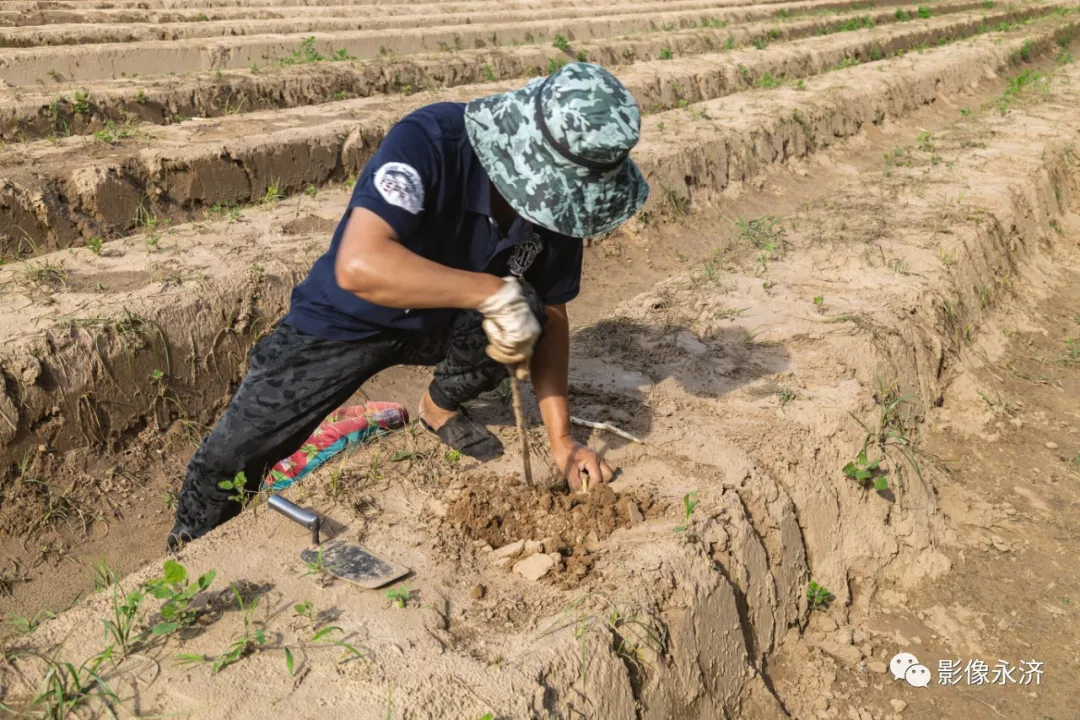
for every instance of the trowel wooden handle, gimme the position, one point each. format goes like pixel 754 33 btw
pixel 299 515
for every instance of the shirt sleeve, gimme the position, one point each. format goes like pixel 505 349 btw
pixel 398 183
pixel 556 277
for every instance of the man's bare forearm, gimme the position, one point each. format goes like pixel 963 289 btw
pixel 550 375
pixel 372 265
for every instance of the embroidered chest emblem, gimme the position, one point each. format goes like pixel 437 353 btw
pixel 525 254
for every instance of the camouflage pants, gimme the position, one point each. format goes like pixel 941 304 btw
pixel 295 380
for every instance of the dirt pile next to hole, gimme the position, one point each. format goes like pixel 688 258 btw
pixel 496 512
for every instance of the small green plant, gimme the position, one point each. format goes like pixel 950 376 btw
pixel 311 191
pixel 120 628
pixel 760 43
pixel 561 43
pixel 178 592
pixel 399 595
pixel 65 688
pixel 103 576
pixel 341 95
pixel 1025 51
pixel 95 244
pixel 27 625
pixel 767 81
pixel 341 55
pixel 763 233
pixel 924 12
pixel 251 637
pixel 666 54
pixel 819 300
pixel 818 596
pixel 926 141
pixel 272 194
pixel 239 487
pixel 965 112
pixel 786 396
pixel 554 64
pixel 729 44
pixel 690 503
pixel 903 15
pixel 82 103
pixel 988 4
pixel 306 54
pixel 453 455
pixel 489 73
pixel 862 472
pixel 582 56
pixel 141 98
pixel 800 85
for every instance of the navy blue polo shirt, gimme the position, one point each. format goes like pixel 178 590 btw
pixel 426 182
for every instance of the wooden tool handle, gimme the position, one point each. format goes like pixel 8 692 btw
pixel 519 416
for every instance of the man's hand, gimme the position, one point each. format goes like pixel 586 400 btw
pixel 510 325
pixel 575 459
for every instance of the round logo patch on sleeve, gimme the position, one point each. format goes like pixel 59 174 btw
pixel 400 185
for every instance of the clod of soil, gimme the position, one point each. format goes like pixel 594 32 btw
pixel 498 512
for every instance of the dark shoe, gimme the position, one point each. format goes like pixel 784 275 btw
pixel 181 535
pixel 468 437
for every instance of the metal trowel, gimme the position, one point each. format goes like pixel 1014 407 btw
pixel 344 560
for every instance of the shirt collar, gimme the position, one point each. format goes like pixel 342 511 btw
pixel 478 190
pixel 478 200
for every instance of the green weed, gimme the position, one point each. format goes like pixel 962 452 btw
pixel 690 503
pixel 103 576
pixel 304 55
pixel 767 81
pixel 666 54
pixel 555 63
pixel 65 688
pixel 926 141
pixel 863 472
pixel 763 233
pixel 818 596
pixel 399 595
pixel 489 73
pixel 82 103
pixel 1025 51
pixel 27 625
pixel 239 487
pixel 120 629
pixel 561 43
pixel 924 12
pixel 582 56
pixel 178 592
pixel 760 43
pixel 95 244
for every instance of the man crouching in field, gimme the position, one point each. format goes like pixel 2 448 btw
pixel 460 248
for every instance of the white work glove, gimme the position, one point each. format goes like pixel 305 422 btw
pixel 511 327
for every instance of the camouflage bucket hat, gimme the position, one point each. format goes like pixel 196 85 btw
pixel 558 149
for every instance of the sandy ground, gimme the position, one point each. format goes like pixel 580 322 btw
pixel 874 258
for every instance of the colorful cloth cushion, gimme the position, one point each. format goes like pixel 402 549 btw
pixel 345 426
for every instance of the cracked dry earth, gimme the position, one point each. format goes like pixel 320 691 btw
pixel 862 238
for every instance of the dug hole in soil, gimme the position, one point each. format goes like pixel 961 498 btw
pixel 855 322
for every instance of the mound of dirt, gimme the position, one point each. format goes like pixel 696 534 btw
pixel 498 514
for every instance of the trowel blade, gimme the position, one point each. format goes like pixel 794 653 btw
pixel 355 564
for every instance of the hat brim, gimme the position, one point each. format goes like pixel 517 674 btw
pixel 541 185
